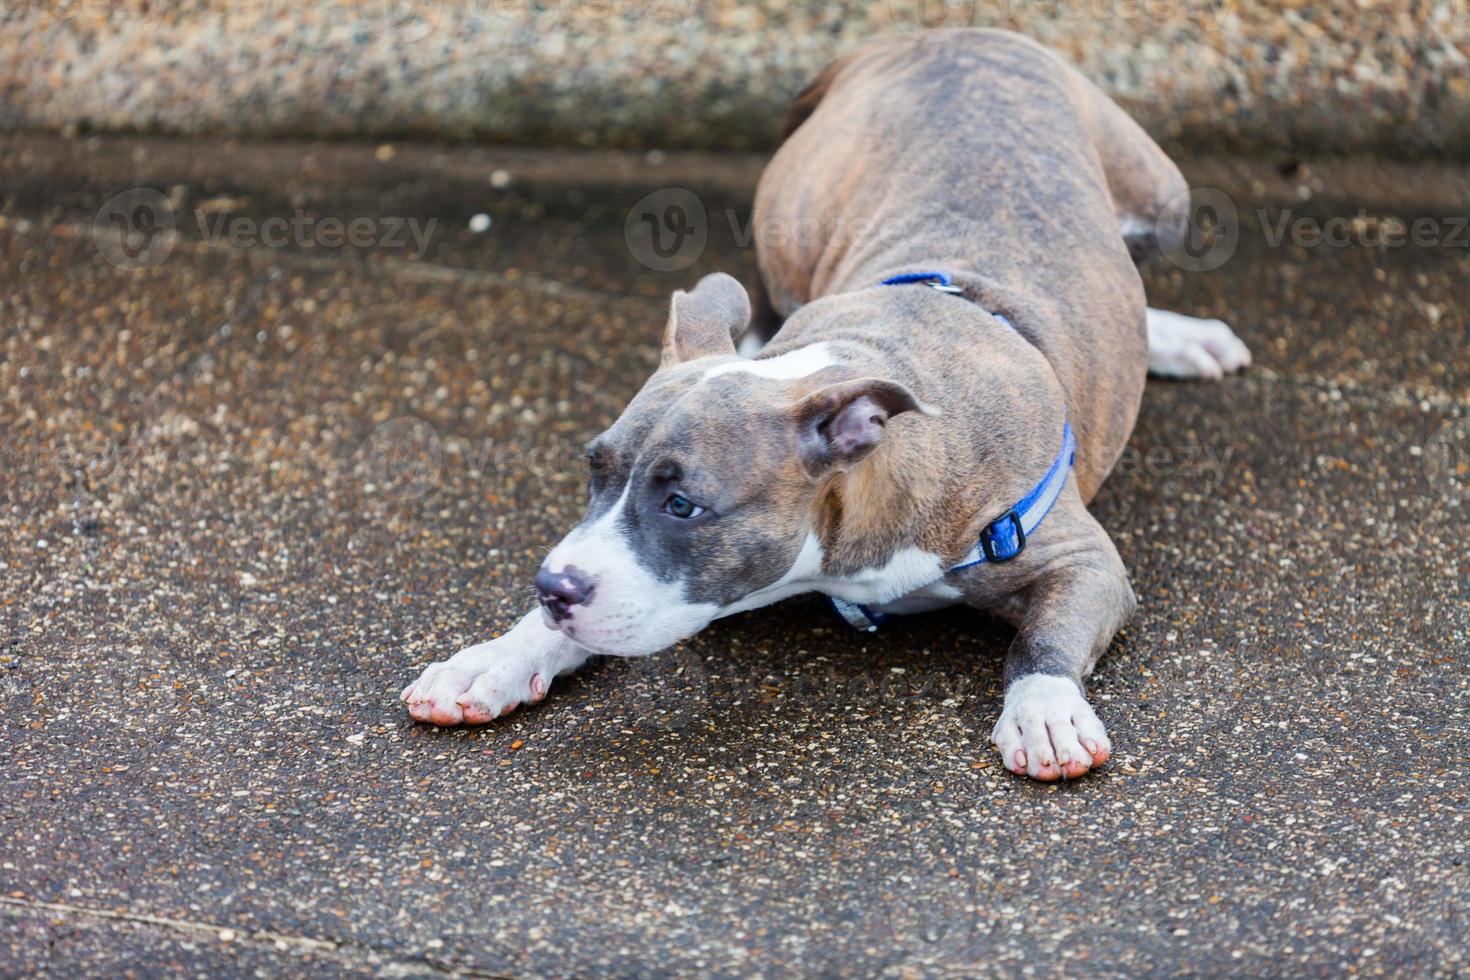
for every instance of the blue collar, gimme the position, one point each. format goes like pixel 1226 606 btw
pixel 941 282
pixel 1005 537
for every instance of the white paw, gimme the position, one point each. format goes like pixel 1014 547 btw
pixel 1048 730
pixel 1182 346
pixel 476 685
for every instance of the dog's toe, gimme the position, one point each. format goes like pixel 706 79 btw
pixel 498 692
pixel 434 697
pixel 1228 350
pixel 1048 730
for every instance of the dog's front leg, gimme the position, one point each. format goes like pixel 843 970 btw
pixel 490 679
pixel 1047 729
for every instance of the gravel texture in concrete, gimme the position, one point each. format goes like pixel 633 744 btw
pixel 1389 75
pixel 250 487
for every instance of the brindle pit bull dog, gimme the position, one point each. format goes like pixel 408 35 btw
pixel 962 313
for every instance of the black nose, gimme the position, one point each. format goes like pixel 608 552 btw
pixel 560 591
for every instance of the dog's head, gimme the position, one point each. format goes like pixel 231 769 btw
pixel 704 490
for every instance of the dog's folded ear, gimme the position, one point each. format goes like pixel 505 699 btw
pixel 705 320
pixel 842 423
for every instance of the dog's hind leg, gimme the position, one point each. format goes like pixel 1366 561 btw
pixel 1142 180
pixel 1151 199
pixel 766 318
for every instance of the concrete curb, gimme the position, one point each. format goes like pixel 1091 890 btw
pixel 1391 78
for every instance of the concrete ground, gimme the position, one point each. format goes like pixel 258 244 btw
pixel 249 489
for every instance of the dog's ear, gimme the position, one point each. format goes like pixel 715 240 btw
pixel 842 423
pixel 705 320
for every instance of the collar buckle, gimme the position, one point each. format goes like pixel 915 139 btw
pixel 1001 543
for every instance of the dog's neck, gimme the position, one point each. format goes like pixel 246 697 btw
pixel 933 482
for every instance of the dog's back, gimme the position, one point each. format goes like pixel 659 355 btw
pixel 983 154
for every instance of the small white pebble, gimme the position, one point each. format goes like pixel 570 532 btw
pixel 500 178
pixel 480 223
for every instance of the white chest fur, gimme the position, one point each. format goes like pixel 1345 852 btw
pixel 912 575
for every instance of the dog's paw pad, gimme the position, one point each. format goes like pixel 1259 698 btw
pixel 1048 731
pixel 1187 347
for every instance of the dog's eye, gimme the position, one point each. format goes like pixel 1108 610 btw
pixel 682 507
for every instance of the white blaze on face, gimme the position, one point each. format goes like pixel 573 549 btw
pixel 786 367
pixel 631 612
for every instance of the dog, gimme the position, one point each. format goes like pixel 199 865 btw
pixel 956 354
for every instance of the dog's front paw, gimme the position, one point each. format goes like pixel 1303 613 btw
pixel 1047 730
pixel 475 686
